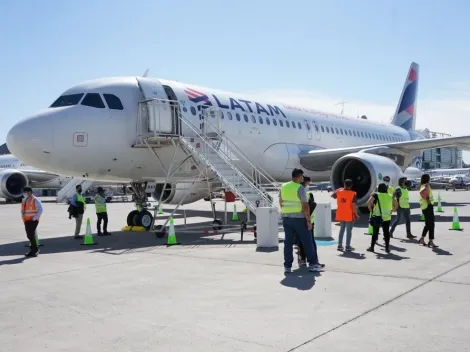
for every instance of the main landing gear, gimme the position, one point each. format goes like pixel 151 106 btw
pixel 141 216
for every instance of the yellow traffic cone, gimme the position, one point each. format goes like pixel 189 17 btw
pixel 439 205
pixel 235 214
pixel 88 240
pixel 171 234
pixel 455 221
pixel 160 210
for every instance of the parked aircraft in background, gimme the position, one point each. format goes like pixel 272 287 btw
pixel 138 129
pixel 15 175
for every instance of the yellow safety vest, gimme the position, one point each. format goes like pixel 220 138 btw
pixel 386 205
pixel 100 207
pixel 390 190
pixel 81 200
pixel 423 204
pixel 405 198
pixel 290 199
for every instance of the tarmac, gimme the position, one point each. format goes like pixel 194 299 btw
pixel 130 292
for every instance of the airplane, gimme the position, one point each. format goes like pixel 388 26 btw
pixel 15 175
pixel 102 129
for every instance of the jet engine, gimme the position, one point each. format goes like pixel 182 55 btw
pixel 173 193
pixel 12 184
pixel 366 171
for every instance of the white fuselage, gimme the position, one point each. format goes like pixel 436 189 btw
pixel 96 142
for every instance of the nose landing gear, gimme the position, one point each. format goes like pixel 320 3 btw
pixel 141 216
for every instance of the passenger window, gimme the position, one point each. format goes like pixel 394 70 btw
pixel 237 116
pixel 230 117
pixel 222 115
pixel 341 130
pixel 362 134
pixel 113 102
pixel 253 119
pixel 327 129
pixel 67 100
pixel 322 129
pixel 245 117
pixel 281 123
pixel 350 133
pixel 354 133
pixel 293 124
pixel 267 121
pixel 260 120
pixel 93 100
pixel 316 127
pixel 332 130
pixel 274 122
pixel 299 125
pixel 337 132
pixel 287 124
pixel 308 126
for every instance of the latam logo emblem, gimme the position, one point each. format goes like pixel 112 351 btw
pixel 197 97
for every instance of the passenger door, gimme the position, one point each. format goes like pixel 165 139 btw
pixel 158 111
pixel 309 129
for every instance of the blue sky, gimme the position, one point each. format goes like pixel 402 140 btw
pixel 324 51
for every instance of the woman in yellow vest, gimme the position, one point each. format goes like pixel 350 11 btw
pixel 426 203
pixel 381 206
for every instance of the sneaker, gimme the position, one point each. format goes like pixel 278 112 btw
pixel 302 263
pixel 370 249
pixel 410 236
pixel 287 270
pixel 350 249
pixel 321 265
pixel 340 248
pixel 314 268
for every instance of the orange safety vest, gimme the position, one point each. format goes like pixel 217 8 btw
pixel 28 209
pixel 344 202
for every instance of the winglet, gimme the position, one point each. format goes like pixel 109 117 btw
pixel 405 115
pixel 146 73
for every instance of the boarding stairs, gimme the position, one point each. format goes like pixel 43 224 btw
pixel 216 151
pixel 67 192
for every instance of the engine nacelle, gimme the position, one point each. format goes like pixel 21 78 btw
pixel 174 193
pixel 366 171
pixel 12 184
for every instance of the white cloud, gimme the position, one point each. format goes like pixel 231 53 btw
pixel 449 115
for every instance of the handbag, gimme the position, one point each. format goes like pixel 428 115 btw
pixel 376 220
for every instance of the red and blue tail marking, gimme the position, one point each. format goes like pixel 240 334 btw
pixel 197 97
pixel 405 115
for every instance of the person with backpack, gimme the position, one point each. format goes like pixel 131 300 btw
pixel 381 205
pixel 301 257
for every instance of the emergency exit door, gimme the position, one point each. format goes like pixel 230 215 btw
pixel 309 129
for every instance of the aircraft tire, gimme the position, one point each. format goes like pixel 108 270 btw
pixel 130 217
pixel 217 224
pixel 143 218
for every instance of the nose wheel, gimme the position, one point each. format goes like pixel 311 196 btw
pixel 140 218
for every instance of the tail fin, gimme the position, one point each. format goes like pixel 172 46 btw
pixel 405 115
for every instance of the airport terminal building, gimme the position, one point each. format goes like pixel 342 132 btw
pixel 441 158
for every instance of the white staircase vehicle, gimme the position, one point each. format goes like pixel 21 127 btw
pixel 216 151
pixel 68 190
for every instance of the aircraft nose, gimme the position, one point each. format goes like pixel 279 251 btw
pixel 31 140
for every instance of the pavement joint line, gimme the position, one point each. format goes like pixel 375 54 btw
pixel 379 306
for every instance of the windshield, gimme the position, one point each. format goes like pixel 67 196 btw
pixel 67 100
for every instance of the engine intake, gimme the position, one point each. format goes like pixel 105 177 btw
pixel 366 171
pixel 174 193
pixel 12 184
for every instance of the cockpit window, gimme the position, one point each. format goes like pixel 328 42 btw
pixel 113 102
pixel 67 100
pixel 94 100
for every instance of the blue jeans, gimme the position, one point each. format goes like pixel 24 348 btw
pixel 293 228
pixel 348 226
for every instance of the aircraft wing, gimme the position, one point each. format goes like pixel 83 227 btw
pixel 37 176
pixel 323 159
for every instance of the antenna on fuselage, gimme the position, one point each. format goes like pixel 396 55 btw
pixel 146 73
pixel 342 105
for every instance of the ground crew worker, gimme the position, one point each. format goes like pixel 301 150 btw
pixel 390 189
pixel 301 258
pixel 101 212
pixel 426 203
pixel 31 211
pixel 346 213
pixel 402 196
pixel 296 221
pixel 381 204
pixel 78 203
